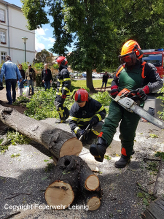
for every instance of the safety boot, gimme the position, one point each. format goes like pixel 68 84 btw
pixel 98 150
pixel 122 162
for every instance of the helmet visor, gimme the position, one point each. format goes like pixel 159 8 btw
pixel 129 58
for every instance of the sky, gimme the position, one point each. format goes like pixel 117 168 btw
pixel 43 36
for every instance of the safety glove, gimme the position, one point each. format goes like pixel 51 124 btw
pixel 63 96
pixel 93 121
pixel 80 132
pixel 114 91
pixel 141 92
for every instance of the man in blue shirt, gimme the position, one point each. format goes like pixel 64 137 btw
pixel 11 73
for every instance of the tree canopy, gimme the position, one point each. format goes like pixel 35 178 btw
pixel 97 28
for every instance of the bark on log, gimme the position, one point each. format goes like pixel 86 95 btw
pixel 63 190
pixel 57 141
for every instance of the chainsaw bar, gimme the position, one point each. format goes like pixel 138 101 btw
pixel 131 106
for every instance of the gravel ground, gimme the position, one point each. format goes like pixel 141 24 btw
pixel 25 177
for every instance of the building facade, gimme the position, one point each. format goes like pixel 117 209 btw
pixel 13 27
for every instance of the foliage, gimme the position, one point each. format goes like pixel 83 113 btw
pixel 102 97
pixel 3 148
pixel 55 66
pixel 15 155
pixel 17 138
pixel 24 66
pixel 41 105
pixel 43 57
pixel 34 12
pixel 39 80
pixel 22 100
pixel 96 31
pixel 38 66
pixel 160 154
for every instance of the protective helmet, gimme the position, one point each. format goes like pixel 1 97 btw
pixel 131 46
pixel 81 95
pixel 61 60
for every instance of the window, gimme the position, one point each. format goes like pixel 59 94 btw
pixel 2 36
pixel 3 55
pixel 2 15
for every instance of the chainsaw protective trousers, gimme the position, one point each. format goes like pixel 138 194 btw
pixel 128 125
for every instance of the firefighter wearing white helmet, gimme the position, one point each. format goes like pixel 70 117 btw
pixel 63 88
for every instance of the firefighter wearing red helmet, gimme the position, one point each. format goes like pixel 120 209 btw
pixel 83 112
pixel 135 75
pixel 63 88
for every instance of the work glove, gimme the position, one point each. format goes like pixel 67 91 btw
pixel 80 132
pixel 63 96
pixel 141 94
pixel 93 121
pixel 114 91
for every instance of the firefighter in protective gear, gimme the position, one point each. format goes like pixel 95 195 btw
pixel 133 74
pixel 63 88
pixel 83 112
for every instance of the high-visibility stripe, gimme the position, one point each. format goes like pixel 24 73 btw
pixel 98 115
pixel 76 129
pixel 65 79
pixel 143 69
pixel 73 118
pixel 95 132
pixel 118 72
pixel 123 151
pixel 65 88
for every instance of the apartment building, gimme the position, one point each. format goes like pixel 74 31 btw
pixel 12 29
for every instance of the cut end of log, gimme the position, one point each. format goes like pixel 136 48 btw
pixel 92 183
pixel 59 194
pixel 93 203
pixel 71 147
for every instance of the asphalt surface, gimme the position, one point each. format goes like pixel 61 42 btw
pixel 24 178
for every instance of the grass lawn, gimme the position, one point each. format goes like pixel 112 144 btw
pixel 96 83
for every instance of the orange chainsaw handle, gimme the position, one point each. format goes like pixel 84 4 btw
pixel 123 92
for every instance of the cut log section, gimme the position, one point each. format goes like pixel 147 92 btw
pixel 93 199
pixel 64 189
pixel 88 180
pixel 68 182
pixel 57 141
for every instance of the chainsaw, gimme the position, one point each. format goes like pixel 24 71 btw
pixel 128 100
pixel 85 131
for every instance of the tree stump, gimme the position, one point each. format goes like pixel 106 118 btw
pixel 70 178
pixel 57 141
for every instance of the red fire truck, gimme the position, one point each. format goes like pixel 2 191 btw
pixel 156 57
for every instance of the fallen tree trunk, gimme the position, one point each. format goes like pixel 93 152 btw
pixel 57 141
pixel 68 182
